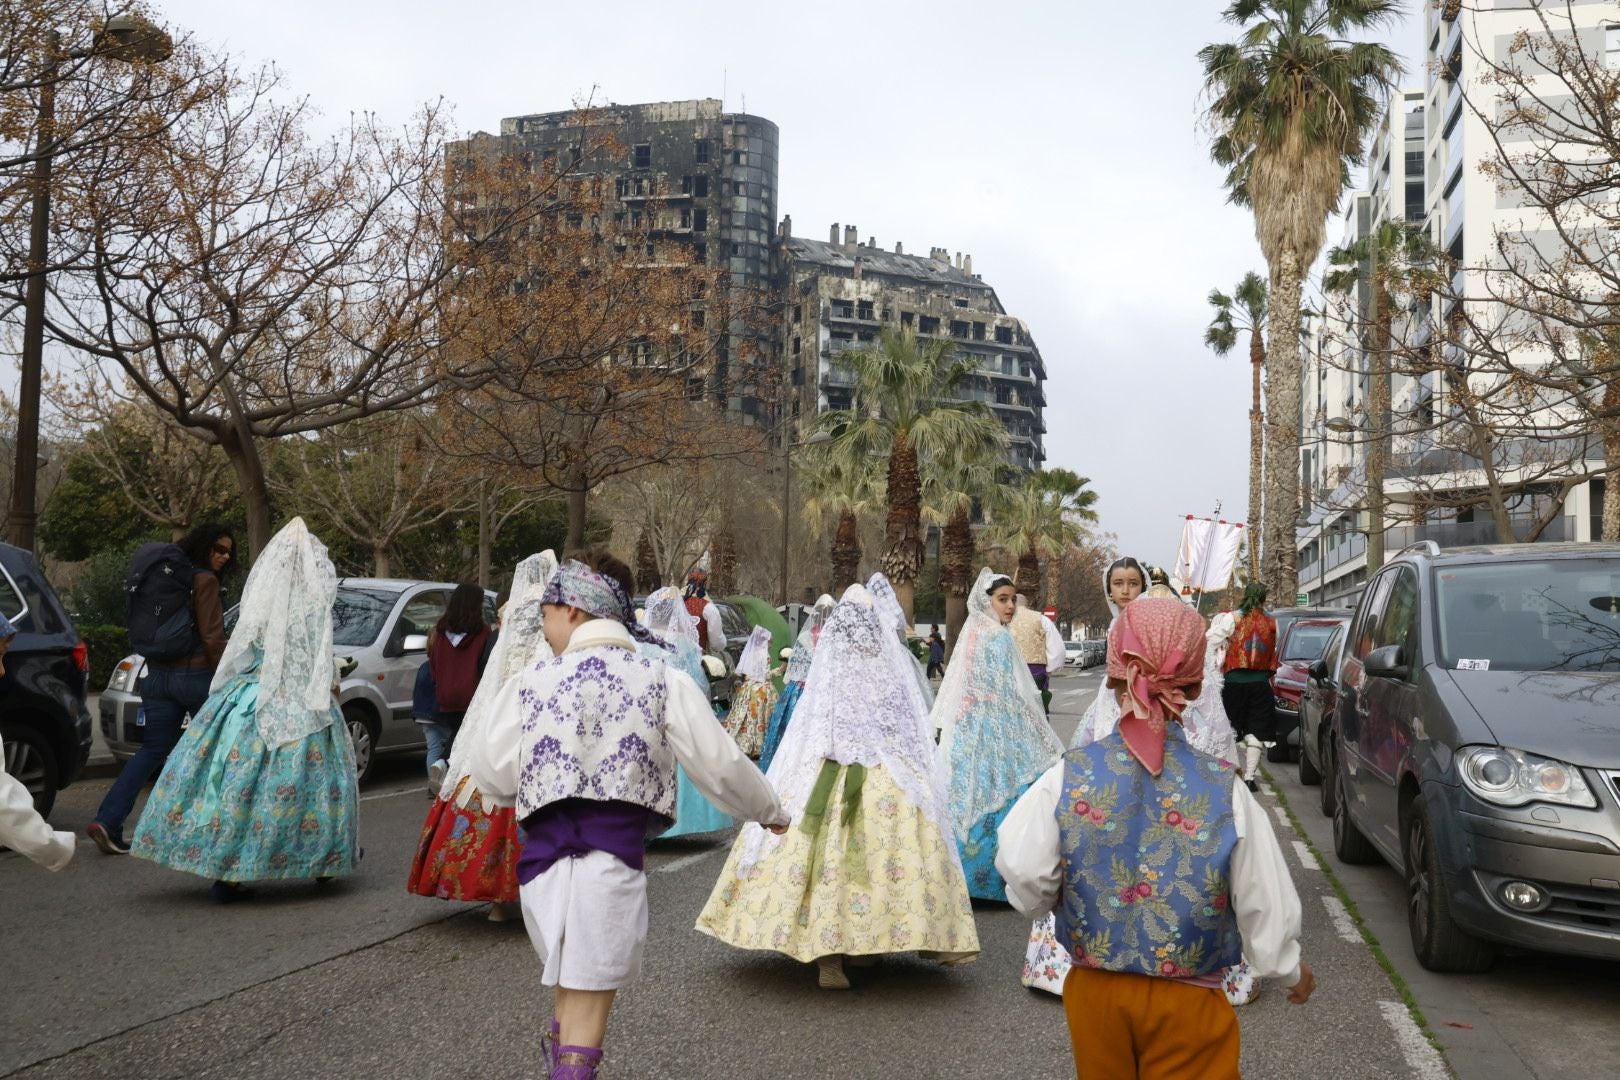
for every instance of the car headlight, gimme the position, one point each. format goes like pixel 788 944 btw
pixel 1509 777
pixel 122 676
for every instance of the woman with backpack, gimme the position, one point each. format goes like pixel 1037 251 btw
pixel 176 621
pixel 458 648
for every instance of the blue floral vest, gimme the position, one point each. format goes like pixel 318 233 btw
pixel 1147 861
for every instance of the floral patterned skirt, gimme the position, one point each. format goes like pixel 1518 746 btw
pixel 979 853
pixel 227 806
pixel 693 813
pixel 750 714
pixel 780 716
pixel 867 874
pixel 468 852
pixel 1046 965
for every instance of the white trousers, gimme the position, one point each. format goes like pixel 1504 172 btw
pixel 587 920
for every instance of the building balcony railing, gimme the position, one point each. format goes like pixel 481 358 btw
pixel 1450 534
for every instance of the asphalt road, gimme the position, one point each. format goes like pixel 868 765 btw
pixel 119 968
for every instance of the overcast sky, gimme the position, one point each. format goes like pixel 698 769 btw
pixel 1058 144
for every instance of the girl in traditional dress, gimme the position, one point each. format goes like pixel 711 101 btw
pixel 994 737
pixel 471 841
pixel 798 671
pixel 262 786
pixel 869 866
pixel 754 696
pixel 666 617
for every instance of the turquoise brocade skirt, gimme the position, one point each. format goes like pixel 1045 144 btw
pixel 779 722
pixel 227 806
pixel 979 853
pixel 693 813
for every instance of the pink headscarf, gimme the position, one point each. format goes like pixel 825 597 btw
pixel 1156 653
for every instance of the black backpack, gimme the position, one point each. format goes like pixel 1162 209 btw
pixel 157 596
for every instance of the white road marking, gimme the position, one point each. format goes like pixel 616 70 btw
pixel 1282 817
pixel 687 860
pixel 1306 859
pixel 1424 1060
pixel 391 794
pixel 1343 924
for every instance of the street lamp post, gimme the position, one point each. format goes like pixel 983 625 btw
pixel 127 38
pixel 818 439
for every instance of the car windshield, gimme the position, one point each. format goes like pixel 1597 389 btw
pixel 1551 615
pixel 1307 642
pixel 358 615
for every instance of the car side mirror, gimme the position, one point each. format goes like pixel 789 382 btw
pixel 1386 663
pixel 1318 670
pixel 414 643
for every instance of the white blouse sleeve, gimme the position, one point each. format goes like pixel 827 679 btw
pixel 712 758
pixel 1263 895
pixel 1056 655
pixel 494 756
pixel 1028 853
pixel 717 628
pixel 24 831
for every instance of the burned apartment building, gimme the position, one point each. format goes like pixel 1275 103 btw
pixel 842 291
pixel 701 184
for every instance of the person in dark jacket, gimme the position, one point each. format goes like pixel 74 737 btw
pixel 174 689
pixel 457 651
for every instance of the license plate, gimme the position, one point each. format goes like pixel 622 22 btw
pixel 140 717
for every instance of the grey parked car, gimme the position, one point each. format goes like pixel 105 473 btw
pixel 379 623
pixel 1476 747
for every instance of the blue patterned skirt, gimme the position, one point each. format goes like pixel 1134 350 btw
pixel 779 722
pixel 229 807
pixel 979 853
pixel 693 813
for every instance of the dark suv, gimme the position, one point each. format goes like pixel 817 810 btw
pixel 1476 747
pixel 43 719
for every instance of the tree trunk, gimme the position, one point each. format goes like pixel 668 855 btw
pixel 1609 425
pixel 723 571
pixel 243 453
pixel 1379 422
pixel 578 497
pixel 1028 578
pixel 956 571
pixel 486 533
pixel 381 565
pixel 903 546
pixel 1257 450
pixel 846 552
pixel 647 575
pixel 1282 429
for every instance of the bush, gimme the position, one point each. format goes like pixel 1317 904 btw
pixel 107 645
pixel 97 597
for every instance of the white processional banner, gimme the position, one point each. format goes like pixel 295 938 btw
pixel 1209 553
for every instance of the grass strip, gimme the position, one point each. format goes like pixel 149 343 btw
pixel 1382 958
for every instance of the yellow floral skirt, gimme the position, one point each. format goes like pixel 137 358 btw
pixel 863 872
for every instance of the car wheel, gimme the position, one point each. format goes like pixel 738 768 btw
pixel 1308 772
pixel 363 739
pixel 1349 844
pixel 1439 943
pixel 1326 793
pixel 29 758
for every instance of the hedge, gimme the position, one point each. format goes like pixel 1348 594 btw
pixel 107 645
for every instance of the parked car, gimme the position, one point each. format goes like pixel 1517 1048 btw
pixel 1096 652
pixel 1288 741
pixel 1298 647
pixel 1074 653
pixel 381 624
pixel 1476 747
pixel 1316 716
pixel 44 721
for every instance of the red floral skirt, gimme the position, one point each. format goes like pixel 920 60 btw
pixel 467 852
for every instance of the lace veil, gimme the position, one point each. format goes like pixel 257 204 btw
pixel 666 617
pixel 520 644
pixel 994 735
pixel 893 616
pixel 804 647
pixel 860 707
pixel 285 628
pixel 755 662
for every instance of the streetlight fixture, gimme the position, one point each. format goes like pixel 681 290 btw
pixel 819 438
pixel 126 38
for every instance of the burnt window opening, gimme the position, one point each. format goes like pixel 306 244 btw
pixel 863 310
pixel 641 156
pixel 844 309
pixel 865 335
pixel 978 331
pixel 1004 335
pixel 700 151
pixel 905 318
pixel 651 250
pixel 700 186
pixel 697 319
pixel 798 315
pixel 797 343
pixel 739 157
pixel 739 187
pixel 928 324
pixel 736 248
pixel 700 220
pixel 686 185
pixel 959 302
pixel 575 221
pixel 622 186
pixel 959 329
pixel 700 255
pixel 620 218
pixel 635 219
pixel 686 217
pixel 639 185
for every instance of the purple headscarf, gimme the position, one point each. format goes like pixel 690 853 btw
pixel 578 586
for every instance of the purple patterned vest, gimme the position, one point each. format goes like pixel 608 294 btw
pixel 593 728
pixel 1147 861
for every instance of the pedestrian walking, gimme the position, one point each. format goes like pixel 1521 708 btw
pixel 1251 660
pixel 262 787
pixel 1040 644
pixel 175 618
pixel 994 736
pixel 711 630
pixel 754 696
pixel 798 672
pixel 1204 880
pixel 458 650
pixel 870 867
pixel 471 842
pixel 936 653
pixel 589 754
pixel 21 828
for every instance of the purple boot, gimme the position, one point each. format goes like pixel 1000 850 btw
pixel 549 1044
pixel 576 1063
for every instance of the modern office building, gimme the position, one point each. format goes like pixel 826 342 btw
pixel 842 291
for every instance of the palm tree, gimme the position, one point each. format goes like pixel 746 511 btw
pixel 906 407
pixel 1292 102
pixel 952 484
pixel 1041 517
pixel 1393 258
pixel 1245 312
pixel 845 490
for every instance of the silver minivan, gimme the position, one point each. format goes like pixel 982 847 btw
pixel 381 624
